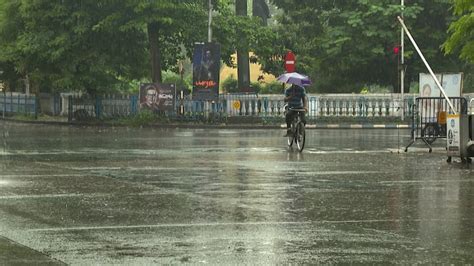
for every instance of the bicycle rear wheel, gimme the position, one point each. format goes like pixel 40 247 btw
pixel 300 136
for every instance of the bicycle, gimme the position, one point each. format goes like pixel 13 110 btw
pixel 297 130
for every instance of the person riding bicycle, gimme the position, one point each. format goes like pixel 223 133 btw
pixel 296 98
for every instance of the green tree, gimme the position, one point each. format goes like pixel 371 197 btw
pixel 344 45
pixel 59 46
pixel 462 31
pixel 96 45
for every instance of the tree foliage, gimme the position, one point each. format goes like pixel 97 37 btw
pixel 99 45
pixel 58 45
pixel 344 45
pixel 96 45
pixel 462 31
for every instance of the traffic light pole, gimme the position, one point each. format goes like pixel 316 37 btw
pixel 402 69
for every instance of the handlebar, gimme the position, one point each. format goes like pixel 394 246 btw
pixel 297 109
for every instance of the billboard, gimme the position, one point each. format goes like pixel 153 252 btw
pixel 157 96
pixel 452 85
pixel 206 68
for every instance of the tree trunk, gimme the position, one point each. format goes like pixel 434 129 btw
pixel 243 68
pixel 155 52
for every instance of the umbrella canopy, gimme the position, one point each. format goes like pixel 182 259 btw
pixel 295 78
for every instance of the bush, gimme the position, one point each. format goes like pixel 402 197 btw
pixel 143 118
pixel 274 87
pixel 256 86
pixel 173 78
pixel 374 88
pixel 230 85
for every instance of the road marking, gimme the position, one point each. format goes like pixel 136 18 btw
pixel 276 223
pixel 42 196
pixel 28 176
pixel 114 227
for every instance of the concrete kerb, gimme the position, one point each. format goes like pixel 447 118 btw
pixel 232 126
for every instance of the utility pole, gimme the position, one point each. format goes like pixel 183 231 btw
pixel 402 69
pixel 209 29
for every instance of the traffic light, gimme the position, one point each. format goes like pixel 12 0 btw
pixel 396 49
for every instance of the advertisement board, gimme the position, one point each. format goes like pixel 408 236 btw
pixel 206 68
pixel 453 135
pixel 157 96
pixel 452 85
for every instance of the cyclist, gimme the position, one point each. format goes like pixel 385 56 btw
pixel 296 98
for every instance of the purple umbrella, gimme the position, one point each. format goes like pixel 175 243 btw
pixel 295 78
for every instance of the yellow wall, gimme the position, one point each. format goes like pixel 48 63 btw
pixel 255 71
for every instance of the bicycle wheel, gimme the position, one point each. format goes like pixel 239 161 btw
pixel 290 140
pixel 430 132
pixel 300 136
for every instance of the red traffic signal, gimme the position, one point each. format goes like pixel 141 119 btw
pixel 396 50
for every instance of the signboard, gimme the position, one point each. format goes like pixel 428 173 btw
pixel 236 105
pixel 206 68
pixel 453 139
pixel 452 85
pixel 290 62
pixel 157 96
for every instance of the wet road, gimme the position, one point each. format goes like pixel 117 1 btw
pixel 224 196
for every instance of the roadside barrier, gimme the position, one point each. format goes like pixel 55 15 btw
pixel 429 118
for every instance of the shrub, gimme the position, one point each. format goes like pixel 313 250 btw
pixel 173 78
pixel 274 87
pixel 230 85
pixel 142 118
pixel 374 88
pixel 258 87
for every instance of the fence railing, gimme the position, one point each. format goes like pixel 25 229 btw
pixel 17 103
pixel 83 106
pixel 242 105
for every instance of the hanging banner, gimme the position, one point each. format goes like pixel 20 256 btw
pixel 157 96
pixel 206 66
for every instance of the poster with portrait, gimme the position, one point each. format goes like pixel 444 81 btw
pixel 452 85
pixel 206 68
pixel 428 87
pixel 157 96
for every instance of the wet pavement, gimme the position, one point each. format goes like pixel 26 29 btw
pixel 227 196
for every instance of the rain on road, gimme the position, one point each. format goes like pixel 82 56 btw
pixel 225 196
